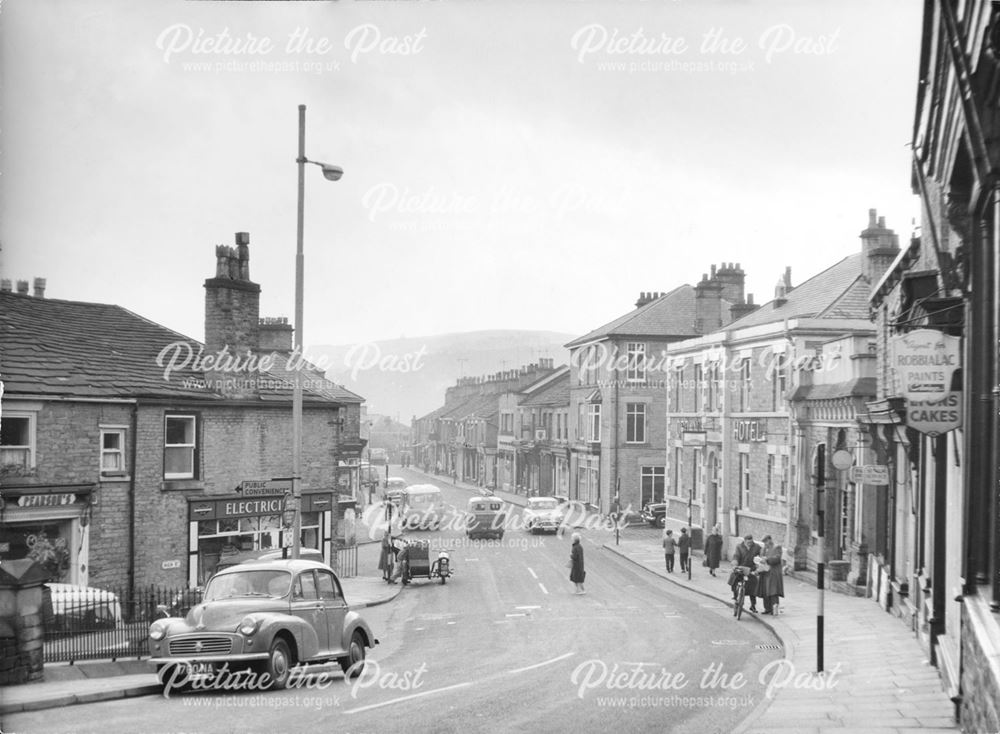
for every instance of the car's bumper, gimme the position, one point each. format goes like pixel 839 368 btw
pixel 243 658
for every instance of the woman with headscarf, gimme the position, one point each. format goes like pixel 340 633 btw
pixel 713 550
pixel 576 572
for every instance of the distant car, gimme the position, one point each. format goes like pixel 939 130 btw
pixel 269 615
pixel 543 514
pixel 378 457
pixel 83 608
pixel 394 488
pixel 655 514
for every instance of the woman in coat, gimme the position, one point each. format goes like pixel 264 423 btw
pixel 386 556
pixel 576 572
pixel 713 550
pixel 772 583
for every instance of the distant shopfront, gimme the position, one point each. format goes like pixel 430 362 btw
pixel 218 526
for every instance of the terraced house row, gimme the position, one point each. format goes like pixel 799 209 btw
pixel 129 458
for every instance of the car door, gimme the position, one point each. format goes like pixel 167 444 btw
pixel 307 606
pixel 332 597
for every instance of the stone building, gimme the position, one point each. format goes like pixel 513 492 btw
pixel 129 451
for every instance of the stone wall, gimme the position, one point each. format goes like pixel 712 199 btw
pixel 980 707
pixel 21 635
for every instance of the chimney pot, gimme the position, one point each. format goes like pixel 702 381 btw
pixel 881 222
pixel 22 287
pixel 39 287
pixel 872 213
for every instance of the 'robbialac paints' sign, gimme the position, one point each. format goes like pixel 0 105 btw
pixel 924 362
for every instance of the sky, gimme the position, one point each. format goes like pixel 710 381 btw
pixel 507 165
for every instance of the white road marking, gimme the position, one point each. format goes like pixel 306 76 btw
pixel 536 606
pixel 544 590
pixel 519 614
pixel 533 574
pixel 471 559
pixel 407 698
pixel 547 662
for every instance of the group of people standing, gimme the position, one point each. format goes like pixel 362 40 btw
pixel 765 561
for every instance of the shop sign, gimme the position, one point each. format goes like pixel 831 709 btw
pixel 749 431
pixel 249 508
pixel 875 474
pixel 694 438
pixel 46 500
pixel 935 417
pixel 240 507
pixel 264 487
pixel 167 565
pixel 924 362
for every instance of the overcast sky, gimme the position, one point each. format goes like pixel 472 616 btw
pixel 528 165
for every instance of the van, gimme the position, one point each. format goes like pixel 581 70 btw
pixel 486 518
pixel 422 507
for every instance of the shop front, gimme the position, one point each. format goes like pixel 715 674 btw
pixel 236 523
pixel 48 524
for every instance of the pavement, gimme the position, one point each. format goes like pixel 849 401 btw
pixel 877 679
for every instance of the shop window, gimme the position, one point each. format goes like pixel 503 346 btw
pixel 651 487
pixel 47 544
pixel 17 442
pixel 180 447
pixel 113 452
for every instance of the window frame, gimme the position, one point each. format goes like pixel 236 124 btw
pixel 195 453
pixel 32 445
pixel 635 423
pixel 635 369
pixel 746 380
pixel 593 422
pixel 123 470
pixel 744 480
pixel 699 384
pixel 648 476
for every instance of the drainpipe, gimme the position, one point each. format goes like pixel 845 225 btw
pixel 617 420
pixel 994 469
pixel 131 501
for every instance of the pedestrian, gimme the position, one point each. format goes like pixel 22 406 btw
pixel 684 546
pixel 772 581
pixel 744 556
pixel 437 468
pixel 576 572
pixel 713 550
pixel 402 565
pixel 669 543
pixel 386 555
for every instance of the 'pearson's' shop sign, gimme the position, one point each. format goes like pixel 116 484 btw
pixel 925 362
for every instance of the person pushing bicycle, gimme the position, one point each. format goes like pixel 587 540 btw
pixel 744 556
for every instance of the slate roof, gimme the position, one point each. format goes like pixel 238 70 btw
pixel 74 348
pixel 839 292
pixel 672 314
pixel 556 393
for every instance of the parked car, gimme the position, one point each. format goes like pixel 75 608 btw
pixel 394 488
pixel 543 514
pixel 83 608
pixel 655 513
pixel 184 600
pixel 269 615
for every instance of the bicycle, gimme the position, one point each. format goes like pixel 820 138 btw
pixel 743 573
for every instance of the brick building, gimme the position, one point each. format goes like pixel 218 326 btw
pixel 617 388
pixel 742 421
pixel 123 446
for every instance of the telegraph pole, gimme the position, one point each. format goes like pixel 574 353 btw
pixel 821 558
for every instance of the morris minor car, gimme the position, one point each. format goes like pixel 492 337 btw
pixel 268 616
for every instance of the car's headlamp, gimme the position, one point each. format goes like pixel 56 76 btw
pixel 248 626
pixel 157 630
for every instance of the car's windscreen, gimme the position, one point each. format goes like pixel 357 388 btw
pixel 422 499
pixel 544 505
pixel 269 583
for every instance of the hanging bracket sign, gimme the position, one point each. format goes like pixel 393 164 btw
pixel 925 362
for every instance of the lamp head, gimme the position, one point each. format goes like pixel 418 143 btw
pixel 332 173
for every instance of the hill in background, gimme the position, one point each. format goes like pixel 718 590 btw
pixel 407 377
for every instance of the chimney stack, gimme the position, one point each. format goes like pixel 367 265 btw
pixel 708 304
pixel 274 334
pixel 39 287
pixel 22 287
pixel 232 308
pixel 646 298
pixel 739 310
pixel 879 245
pixel 5 285
pixel 732 279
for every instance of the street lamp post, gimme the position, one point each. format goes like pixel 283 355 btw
pixel 331 173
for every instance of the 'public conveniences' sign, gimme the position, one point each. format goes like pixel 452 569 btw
pixel 924 362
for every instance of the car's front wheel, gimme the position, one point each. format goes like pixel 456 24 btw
pixel 661 522
pixel 279 664
pixel 354 662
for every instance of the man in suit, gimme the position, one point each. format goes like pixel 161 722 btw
pixel 745 553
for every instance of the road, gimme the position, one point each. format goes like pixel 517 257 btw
pixel 505 645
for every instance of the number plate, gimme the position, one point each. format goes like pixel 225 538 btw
pixel 199 669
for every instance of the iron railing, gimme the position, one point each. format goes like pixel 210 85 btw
pixel 345 561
